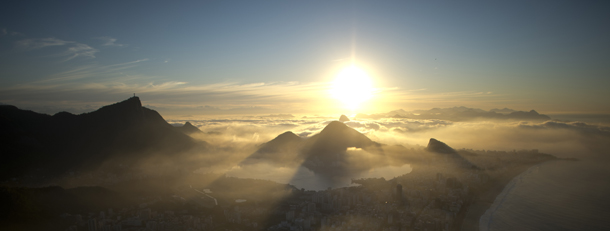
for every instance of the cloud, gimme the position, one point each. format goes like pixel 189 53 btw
pixel 560 138
pixel 250 130
pixel 88 71
pixel 31 44
pixel 127 63
pixel 74 49
pixel 178 98
pixel 581 127
pixel 109 41
pixel 4 32
pixel 80 50
pixel 461 114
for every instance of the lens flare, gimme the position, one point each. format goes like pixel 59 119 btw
pixel 352 86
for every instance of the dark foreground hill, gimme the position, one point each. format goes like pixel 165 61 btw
pixel 42 208
pixel 126 132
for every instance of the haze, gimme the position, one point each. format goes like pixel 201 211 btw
pixel 318 115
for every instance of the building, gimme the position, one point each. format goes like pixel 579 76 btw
pixel 92 224
pixel 399 192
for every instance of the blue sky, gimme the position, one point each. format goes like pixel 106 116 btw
pixel 279 56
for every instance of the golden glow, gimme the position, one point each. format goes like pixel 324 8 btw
pixel 352 86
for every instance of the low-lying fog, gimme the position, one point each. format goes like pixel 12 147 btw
pixel 234 140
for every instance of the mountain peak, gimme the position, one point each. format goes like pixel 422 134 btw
pixel 334 126
pixel 343 118
pixel 284 139
pixel 131 104
pixel 279 149
pixel 188 128
pixel 437 146
pixel 134 101
pixel 336 137
pixel 288 135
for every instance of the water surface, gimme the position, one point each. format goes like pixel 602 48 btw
pixel 301 177
pixel 557 195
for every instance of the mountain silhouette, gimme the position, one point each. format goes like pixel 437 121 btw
pixel 329 145
pixel 339 149
pixel 461 114
pixel 448 154
pixel 283 142
pixel 336 137
pixel 188 129
pixel 281 149
pixel 327 151
pixel 437 146
pixel 343 118
pixel 124 131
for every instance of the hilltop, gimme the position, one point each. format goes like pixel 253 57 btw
pixel 124 132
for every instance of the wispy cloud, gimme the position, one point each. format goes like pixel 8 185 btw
pixel 31 44
pixel 109 41
pixel 4 32
pixel 169 94
pixel 128 63
pixel 88 71
pixel 283 97
pixel 80 50
pixel 74 49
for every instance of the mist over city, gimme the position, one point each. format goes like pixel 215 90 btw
pixel 303 116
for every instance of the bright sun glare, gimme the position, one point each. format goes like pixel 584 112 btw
pixel 352 87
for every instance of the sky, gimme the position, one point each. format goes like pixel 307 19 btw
pixel 198 57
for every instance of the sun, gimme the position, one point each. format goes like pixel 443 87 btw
pixel 352 86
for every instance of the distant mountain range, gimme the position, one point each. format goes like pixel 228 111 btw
pixel 43 144
pixel 460 114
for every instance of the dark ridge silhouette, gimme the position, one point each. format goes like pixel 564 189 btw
pixel 439 147
pixel 343 118
pixel 124 132
pixel 461 114
pixel 284 141
pixel 527 115
pixel 282 148
pixel 327 151
pixel 449 154
pixel 188 129
pixel 329 145
pixel 502 111
pixel 336 137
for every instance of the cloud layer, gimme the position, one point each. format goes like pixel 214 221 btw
pixel 561 138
